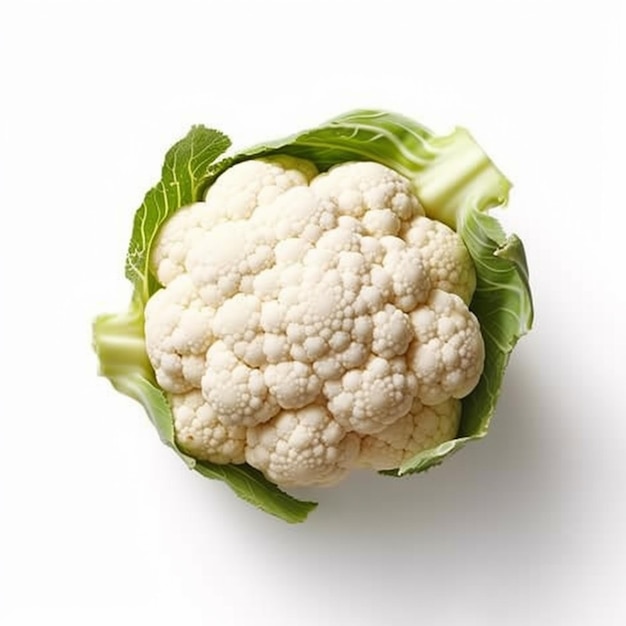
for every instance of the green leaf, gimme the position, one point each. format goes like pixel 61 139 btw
pixel 448 172
pixel 503 304
pixel 185 176
pixel 363 135
pixel 250 485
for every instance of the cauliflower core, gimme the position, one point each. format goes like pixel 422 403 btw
pixel 312 323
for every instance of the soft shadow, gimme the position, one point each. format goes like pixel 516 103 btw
pixel 492 511
pixel 494 475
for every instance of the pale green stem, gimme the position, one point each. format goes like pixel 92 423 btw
pixel 460 175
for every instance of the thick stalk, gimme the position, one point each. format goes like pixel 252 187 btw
pixel 118 339
pixel 459 176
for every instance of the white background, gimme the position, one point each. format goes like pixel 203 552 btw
pixel 100 524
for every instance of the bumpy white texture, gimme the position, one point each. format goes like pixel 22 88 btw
pixel 423 427
pixel 448 352
pixel 320 313
pixel 302 447
pixel 178 332
pixel 201 434
pixel 445 256
pixel 236 392
pixel 366 400
pixel 239 191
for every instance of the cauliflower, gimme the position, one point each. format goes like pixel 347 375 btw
pixel 313 306
pixel 314 311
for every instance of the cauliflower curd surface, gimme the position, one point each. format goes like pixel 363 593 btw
pixel 310 323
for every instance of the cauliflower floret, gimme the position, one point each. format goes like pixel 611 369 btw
pixel 423 427
pixel 226 258
pixel 366 400
pixel 446 259
pixel 242 189
pixel 308 219
pixel 363 187
pixel 315 312
pixel 233 196
pixel 302 447
pixel 410 283
pixel 177 329
pixel 201 434
pixel 237 324
pixel 447 356
pixel 392 332
pixel 179 235
pixel 236 392
pixel 292 383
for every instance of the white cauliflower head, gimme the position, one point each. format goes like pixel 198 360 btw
pixel 311 323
